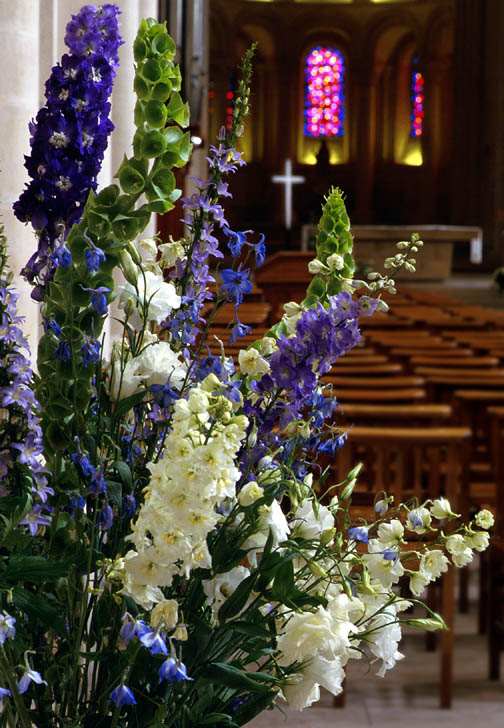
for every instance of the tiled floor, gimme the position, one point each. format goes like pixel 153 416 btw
pixel 408 695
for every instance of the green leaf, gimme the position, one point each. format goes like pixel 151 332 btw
pixel 35 569
pixel 253 706
pixel 251 629
pixel 124 405
pixel 124 472
pixel 298 598
pixel 213 718
pixel 114 490
pixel 232 677
pixel 284 582
pixel 238 599
pixel 38 607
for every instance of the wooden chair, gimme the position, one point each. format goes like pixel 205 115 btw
pixel 422 342
pixel 380 395
pixel 440 387
pixel 364 368
pixel 250 313
pixel 446 352
pixel 494 583
pixel 395 415
pixel 371 359
pixel 460 371
pixel 370 382
pixel 479 362
pixel 422 462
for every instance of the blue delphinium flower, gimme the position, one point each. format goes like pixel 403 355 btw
pixel 173 670
pixel 61 256
pixel 106 517
pixel 82 461
pixel 90 351
pixel 235 284
pixel 36 518
pixel 28 677
pixel 7 628
pixel 238 330
pixel 122 695
pixel 99 298
pixel 164 395
pixel 128 506
pixel 359 533
pixel 63 351
pixel 151 638
pixel 69 138
pixel 53 326
pixel 29 449
pixel 94 256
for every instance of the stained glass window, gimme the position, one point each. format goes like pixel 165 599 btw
pixel 417 101
pixel 324 101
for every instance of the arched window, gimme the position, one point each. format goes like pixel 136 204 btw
pixel 417 99
pixel 324 100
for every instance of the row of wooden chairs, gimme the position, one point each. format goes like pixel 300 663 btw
pixel 415 400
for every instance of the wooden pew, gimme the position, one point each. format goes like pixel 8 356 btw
pixel 388 383
pixel 397 459
pixel 455 362
pixel 394 415
pixel 494 582
pixel 406 352
pixel 366 369
pixel 450 371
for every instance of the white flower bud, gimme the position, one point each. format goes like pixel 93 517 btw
pixel 316 266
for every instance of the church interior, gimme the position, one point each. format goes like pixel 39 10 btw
pixel 400 103
pixel 416 138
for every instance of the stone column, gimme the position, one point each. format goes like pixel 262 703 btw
pixel 365 92
pixel 196 84
pixel 19 47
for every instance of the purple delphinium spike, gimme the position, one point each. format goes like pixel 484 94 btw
pixel 68 139
pixel 20 432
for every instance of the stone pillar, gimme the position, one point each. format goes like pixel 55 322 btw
pixel 492 151
pixel 366 83
pixel 467 112
pixel 19 49
pixel 436 142
pixel 196 84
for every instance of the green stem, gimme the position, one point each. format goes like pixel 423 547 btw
pixel 6 671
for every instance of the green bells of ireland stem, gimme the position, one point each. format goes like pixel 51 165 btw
pixel 79 294
pixel 334 261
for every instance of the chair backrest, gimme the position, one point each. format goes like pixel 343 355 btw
pixel 394 415
pixel 460 371
pixel 496 418
pixel 452 353
pixel 372 382
pixel 380 395
pixel 406 462
pixel 454 361
pixel 360 368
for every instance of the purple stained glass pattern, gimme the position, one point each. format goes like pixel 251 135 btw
pixel 324 101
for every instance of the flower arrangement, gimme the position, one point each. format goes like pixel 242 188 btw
pixel 174 552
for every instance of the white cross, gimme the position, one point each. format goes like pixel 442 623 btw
pixel 288 179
